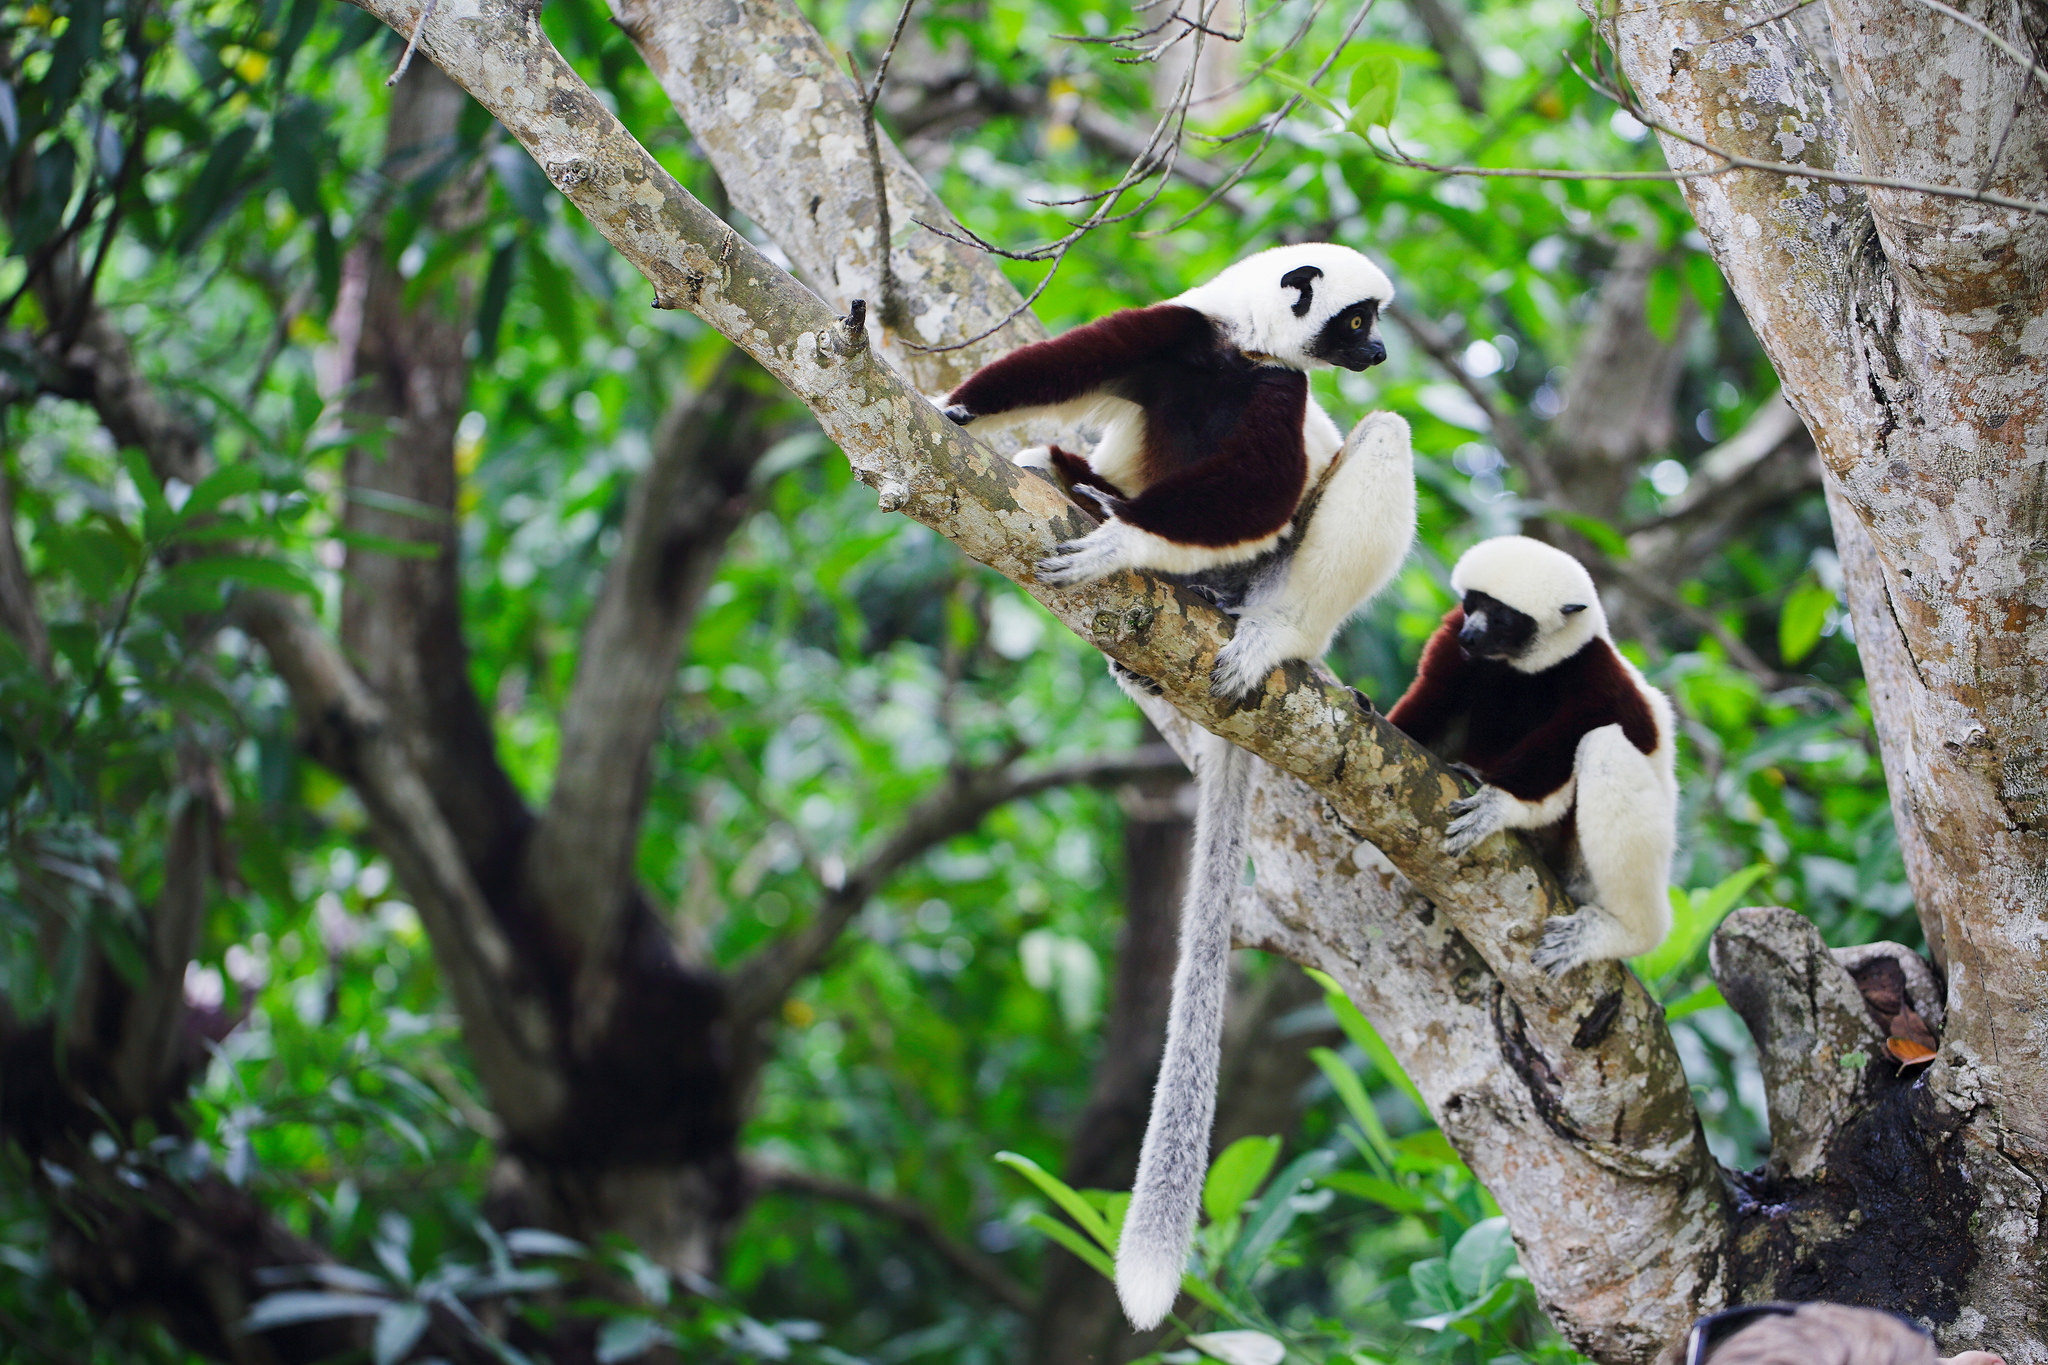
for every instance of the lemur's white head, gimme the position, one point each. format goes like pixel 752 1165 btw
pixel 1306 306
pixel 1527 604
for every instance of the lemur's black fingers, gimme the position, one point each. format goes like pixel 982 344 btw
pixel 1465 805
pixel 1136 679
pixel 959 414
pixel 1364 702
pixel 1467 770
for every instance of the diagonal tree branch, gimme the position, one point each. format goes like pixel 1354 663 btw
pixel 683 509
pixel 505 1020
pixel 968 797
pixel 1593 1053
pixel 912 1216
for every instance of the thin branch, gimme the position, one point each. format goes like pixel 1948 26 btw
pixel 1735 161
pixel 2033 71
pixel 889 313
pixel 1503 426
pixel 412 43
pixel 912 1216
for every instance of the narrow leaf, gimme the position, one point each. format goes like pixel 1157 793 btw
pixel 1062 1194
pixel 1236 1173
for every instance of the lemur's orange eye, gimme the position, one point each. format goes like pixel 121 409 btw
pixel 1356 323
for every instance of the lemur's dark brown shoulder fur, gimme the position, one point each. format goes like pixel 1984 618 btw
pixel 1521 731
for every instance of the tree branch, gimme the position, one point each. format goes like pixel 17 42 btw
pixel 1594 1059
pixel 505 1021
pixel 913 1217
pixel 401 615
pixel 18 614
pixel 968 797
pixel 682 511
pixel 1769 460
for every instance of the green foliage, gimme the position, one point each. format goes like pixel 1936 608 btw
pixel 226 162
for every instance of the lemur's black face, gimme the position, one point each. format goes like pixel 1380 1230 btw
pixel 1493 629
pixel 1351 339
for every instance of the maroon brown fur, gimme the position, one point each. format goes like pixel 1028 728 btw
pixel 1222 457
pixel 1520 731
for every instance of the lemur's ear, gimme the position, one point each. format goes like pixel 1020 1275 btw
pixel 1571 608
pixel 1302 277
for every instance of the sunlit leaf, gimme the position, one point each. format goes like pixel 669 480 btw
pixel 1236 1173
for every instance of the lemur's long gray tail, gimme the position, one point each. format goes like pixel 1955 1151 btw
pixel 1152 1254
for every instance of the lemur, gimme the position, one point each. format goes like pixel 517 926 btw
pixel 1522 684
pixel 1216 466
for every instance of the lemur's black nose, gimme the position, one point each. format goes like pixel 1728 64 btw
pixel 1375 352
pixel 1473 631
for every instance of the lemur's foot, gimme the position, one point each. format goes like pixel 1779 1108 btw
pixel 958 414
pixel 1129 679
pixel 1243 665
pixel 1566 942
pixel 1479 817
pixel 1095 555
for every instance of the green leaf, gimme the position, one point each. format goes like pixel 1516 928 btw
pixel 389 545
pixel 228 481
pixel 1663 301
pixel 1239 1347
pixel 1375 91
pixel 245 569
pixel 1482 1257
pixel 309 1305
pixel 1063 1194
pixel 1276 1211
pixel 1365 1037
pixel 1800 621
pixel 1377 1190
pixel 1072 1241
pixel 1694 917
pixel 625 1338
pixel 1236 1174
pixel 1609 540
pixel 208 195
pixel 157 517
pixel 1705 998
pixel 1351 1090
pixel 1304 89
pixel 1703 278
pixel 398 1328
pixel 490 308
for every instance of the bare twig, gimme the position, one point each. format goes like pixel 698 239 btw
pixel 890 312
pixel 1733 161
pixel 412 43
pixel 1503 426
pixel 912 1216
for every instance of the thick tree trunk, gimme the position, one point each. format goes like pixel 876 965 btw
pixel 1911 334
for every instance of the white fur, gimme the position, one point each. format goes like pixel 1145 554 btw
pixel 1626 800
pixel 1352 546
pixel 1119 545
pixel 1159 1227
pixel 1540 581
pixel 1248 302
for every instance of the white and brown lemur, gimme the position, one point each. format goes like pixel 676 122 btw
pixel 1522 685
pixel 1216 466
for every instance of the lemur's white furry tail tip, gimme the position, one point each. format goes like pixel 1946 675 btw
pixel 1148 1281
